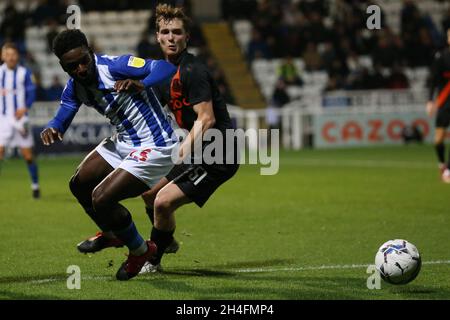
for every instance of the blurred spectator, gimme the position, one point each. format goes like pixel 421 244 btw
pixel 47 10
pixel 359 79
pixel 421 51
pixel 120 5
pixel 41 93
pixel 55 90
pixel 410 18
pixel 397 79
pixel 51 34
pixel 280 97
pixel 257 47
pixel 31 63
pixel 311 57
pixel 196 38
pixel 267 18
pixel 333 83
pixel 376 78
pixel 147 49
pixel 445 24
pixel 385 53
pixel 288 73
pixel 238 9
pixel 12 27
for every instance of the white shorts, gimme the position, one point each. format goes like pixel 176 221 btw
pixel 147 164
pixel 15 133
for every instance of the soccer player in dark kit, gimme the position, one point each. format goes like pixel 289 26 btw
pixel 440 78
pixel 194 98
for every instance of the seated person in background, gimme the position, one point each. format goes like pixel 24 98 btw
pixel 288 72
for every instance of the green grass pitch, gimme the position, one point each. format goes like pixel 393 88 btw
pixel 306 233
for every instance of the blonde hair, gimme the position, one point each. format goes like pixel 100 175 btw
pixel 167 12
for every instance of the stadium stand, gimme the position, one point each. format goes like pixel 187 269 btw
pixel 338 29
pixel 328 41
pixel 112 28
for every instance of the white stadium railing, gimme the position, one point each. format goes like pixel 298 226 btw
pixel 367 118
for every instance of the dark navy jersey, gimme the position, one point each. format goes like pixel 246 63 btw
pixel 191 85
pixel 440 76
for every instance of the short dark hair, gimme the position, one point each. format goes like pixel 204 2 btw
pixel 68 40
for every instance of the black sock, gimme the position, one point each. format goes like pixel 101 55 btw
pixel 448 163
pixel 440 151
pixel 162 239
pixel 99 222
pixel 150 212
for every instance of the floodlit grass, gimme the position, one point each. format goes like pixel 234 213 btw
pixel 293 235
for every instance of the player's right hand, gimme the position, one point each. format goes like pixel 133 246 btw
pixel 49 136
pixel 431 108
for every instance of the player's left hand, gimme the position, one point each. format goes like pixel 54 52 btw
pixel 129 86
pixel 20 112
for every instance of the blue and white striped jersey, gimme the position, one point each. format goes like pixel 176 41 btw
pixel 17 90
pixel 139 118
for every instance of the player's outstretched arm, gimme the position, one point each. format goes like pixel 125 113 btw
pixel 136 74
pixel 431 108
pixel 67 110
pixel 49 136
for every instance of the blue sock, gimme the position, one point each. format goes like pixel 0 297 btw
pixel 33 169
pixel 130 236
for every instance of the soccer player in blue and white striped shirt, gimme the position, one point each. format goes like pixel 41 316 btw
pixel 17 94
pixel 128 163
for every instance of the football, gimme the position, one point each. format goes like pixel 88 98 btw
pixel 398 261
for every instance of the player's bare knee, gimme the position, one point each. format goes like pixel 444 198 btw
pixel 100 200
pixel 74 185
pixel 438 140
pixel 162 205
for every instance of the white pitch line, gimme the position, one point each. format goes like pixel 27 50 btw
pixel 255 270
pixel 323 267
pixel 40 281
pixel 361 163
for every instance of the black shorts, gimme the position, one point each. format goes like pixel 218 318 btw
pixel 443 116
pixel 199 181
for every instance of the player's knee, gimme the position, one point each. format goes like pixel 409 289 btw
pixel 438 140
pixel 74 185
pixel 162 205
pixel 100 200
